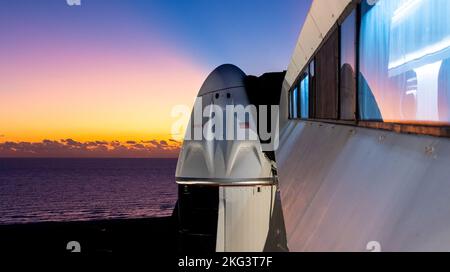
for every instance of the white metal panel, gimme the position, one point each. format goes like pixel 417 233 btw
pixel 310 39
pixel 244 218
pixel 299 59
pixel 343 187
pixel 291 74
pixel 325 13
pixel 299 55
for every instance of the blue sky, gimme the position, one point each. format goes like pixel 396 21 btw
pixel 257 35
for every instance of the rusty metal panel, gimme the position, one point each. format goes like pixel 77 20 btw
pixel 326 79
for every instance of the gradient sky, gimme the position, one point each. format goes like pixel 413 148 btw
pixel 107 73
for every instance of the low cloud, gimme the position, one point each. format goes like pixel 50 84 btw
pixel 91 149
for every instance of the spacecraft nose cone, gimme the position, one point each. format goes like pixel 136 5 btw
pixel 223 77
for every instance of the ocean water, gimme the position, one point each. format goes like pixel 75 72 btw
pixel 36 190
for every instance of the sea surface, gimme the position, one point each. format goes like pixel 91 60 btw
pixel 36 190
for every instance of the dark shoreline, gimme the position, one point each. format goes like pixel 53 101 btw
pixel 95 237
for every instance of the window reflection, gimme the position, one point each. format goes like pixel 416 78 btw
pixel 404 61
pixel 295 103
pixel 290 104
pixel 304 97
pixel 348 68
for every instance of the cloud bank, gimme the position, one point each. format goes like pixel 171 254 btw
pixel 95 149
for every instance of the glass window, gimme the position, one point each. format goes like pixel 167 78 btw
pixel 404 61
pixel 312 68
pixel 290 104
pixel 347 68
pixel 295 103
pixel 304 97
